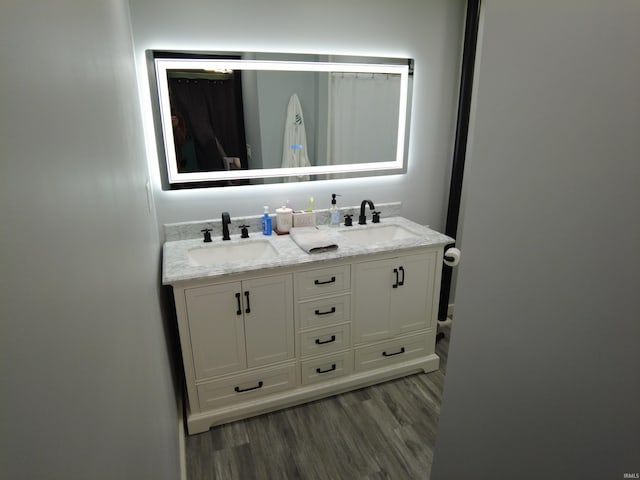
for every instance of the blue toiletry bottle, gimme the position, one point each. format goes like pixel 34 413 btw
pixel 266 222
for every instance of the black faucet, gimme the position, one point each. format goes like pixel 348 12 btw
pixel 226 220
pixel 363 219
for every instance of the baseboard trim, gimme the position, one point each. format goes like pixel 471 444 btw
pixel 182 451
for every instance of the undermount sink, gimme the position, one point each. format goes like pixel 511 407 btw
pixel 231 252
pixel 376 233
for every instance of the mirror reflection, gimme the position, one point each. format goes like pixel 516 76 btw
pixel 256 118
pixel 206 120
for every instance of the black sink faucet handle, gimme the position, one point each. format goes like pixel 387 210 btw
pixel 244 232
pixel 348 221
pixel 207 235
pixel 376 217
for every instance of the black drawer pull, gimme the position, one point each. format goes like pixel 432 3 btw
pixel 392 354
pixel 333 339
pixel 248 309
pixel 318 282
pixel 395 285
pixel 239 311
pixel 333 367
pixel 402 271
pixel 240 390
pixel 333 310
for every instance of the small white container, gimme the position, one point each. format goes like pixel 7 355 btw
pixel 284 219
pixel 304 219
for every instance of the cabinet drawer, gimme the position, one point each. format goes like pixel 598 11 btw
pixel 244 387
pixel 325 340
pixel 321 369
pixel 322 281
pixel 324 311
pixel 393 351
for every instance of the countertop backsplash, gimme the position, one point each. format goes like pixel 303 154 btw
pixel 193 230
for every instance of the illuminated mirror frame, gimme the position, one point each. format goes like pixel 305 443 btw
pixel 402 67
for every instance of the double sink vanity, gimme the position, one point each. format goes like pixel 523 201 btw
pixel 265 325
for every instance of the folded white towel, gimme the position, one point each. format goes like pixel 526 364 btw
pixel 312 239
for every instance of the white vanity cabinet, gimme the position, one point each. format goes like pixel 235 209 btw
pixel 323 323
pixel 235 338
pixel 395 311
pixel 240 325
pixel 260 340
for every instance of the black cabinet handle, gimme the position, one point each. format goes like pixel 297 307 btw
pixel 239 311
pixel 318 282
pixel 333 367
pixel 401 281
pixel 333 339
pixel 248 310
pixel 385 354
pixel 240 390
pixel 333 310
pixel 395 285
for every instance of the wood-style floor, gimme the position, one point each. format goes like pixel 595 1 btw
pixel 386 431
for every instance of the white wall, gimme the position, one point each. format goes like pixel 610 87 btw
pixel 542 379
pixel 428 31
pixel 86 387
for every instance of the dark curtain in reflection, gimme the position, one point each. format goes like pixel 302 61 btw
pixel 207 122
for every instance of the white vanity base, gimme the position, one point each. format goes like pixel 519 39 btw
pixel 201 422
pixel 257 337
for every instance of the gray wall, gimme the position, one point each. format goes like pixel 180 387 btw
pixel 543 379
pixel 86 386
pixel 428 31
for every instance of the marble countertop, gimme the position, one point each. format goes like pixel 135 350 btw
pixel 176 266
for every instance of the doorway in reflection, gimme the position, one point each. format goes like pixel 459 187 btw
pixel 207 120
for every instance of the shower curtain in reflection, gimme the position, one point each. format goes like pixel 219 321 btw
pixel 208 125
pixel 363 117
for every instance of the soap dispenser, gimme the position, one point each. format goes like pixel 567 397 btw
pixel 266 222
pixel 334 212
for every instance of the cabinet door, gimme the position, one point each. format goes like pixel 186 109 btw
pixel 393 296
pixel 372 299
pixel 268 317
pixel 216 328
pixel 412 300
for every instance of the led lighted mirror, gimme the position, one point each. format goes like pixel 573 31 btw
pixel 249 118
